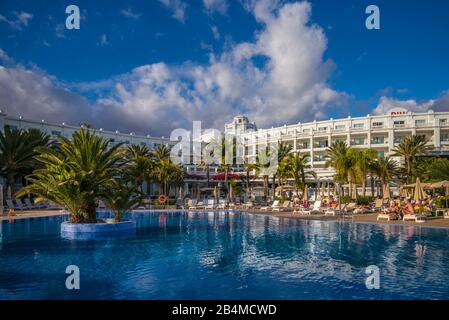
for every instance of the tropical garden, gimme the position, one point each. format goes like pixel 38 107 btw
pixel 76 173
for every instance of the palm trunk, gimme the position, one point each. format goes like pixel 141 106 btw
pixel 273 187
pixel 10 181
pixel 265 187
pixel 372 186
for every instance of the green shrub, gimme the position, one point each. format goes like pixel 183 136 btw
pixel 364 200
pixel 441 202
pixel 346 199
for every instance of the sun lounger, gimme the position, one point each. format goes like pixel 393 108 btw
pixel 35 205
pixel 23 206
pixel 285 207
pixel 378 204
pixel 414 217
pixel 210 204
pixel 13 206
pixel 333 211
pixel 349 208
pixel 314 209
pixel 387 216
pixel 191 204
pixel 446 214
pixel 248 205
pixel 274 205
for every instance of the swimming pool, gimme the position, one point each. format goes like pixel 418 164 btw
pixel 223 255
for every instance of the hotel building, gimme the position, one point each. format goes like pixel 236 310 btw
pixel 381 132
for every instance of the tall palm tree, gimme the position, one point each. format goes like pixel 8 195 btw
pixel 248 168
pixel 341 160
pixel 167 173
pixel 409 148
pixel 299 169
pixel 363 159
pixel 17 152
pixel 161 152
pixel 75 174
pixel 139 164
pixel 385 169
pixel 283 149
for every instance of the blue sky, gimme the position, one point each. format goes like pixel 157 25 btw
pixel 151 66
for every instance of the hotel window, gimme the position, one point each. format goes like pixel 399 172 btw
pixel 381 154
pixel 320 158
pixel 322 129
pixel 55 133
pixel 112 140
pixel 142 143
pixel 443 122
pixel 378 124
pixel 399 124
pixel 358 125
pixel 398 139
pixel 340 127
pixel 444 137
pixel 358 141
pixel 322 144
pixel 305 130
pixel 420 122
pixel 377 140
pixel 305 145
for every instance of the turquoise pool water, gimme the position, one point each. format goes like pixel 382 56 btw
pixel 222 255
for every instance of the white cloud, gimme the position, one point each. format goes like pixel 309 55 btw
pixel 36 95
pixel 439 104
pixel 103 40
pixel 220 6
pixel 215 32
pixel 18 19
pixel 279 78
pixel 60 31
pixel 177 7
pixel 130 14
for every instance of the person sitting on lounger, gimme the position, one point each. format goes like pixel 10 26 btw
pixel 407 208
pixel 393 207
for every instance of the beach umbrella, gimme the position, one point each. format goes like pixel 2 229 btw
pixel 387 192
pixel 418 194
pixel 305 196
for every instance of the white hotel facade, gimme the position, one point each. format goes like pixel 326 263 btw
pixel 381 132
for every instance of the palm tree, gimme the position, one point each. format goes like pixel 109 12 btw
pixel 438 169
pixel 139 164
pixel 342 161
pixel 283 149
pixel 226 148
pixel 409 148
pixel 299 169
pixel 121 197
pixel 167 173
pixel 363 159
pixel 17 152
pixel 74 175
pixel 161 152
pixel 248 168
pixel 385 169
